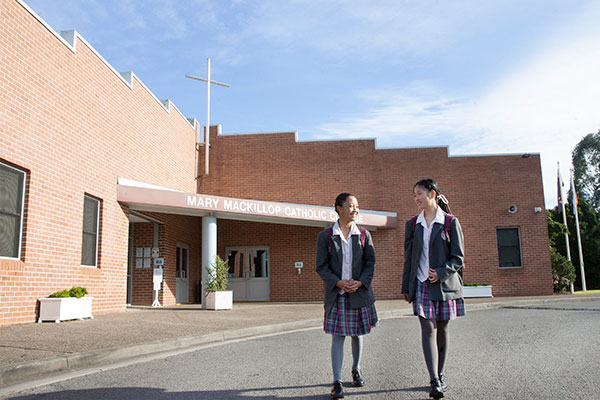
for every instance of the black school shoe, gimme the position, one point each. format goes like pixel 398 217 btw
pixel 357 379
pixel 337 392
pixel 436 389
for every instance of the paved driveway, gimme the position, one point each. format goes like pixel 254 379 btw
pixel 540 352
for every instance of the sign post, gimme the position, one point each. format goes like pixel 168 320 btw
pixel 157 278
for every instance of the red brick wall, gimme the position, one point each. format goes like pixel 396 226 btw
pixel 275 167
pixel 70 121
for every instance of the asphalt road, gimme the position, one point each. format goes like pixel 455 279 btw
pixel 548 352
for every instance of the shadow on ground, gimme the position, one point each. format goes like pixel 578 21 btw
pixel 142 393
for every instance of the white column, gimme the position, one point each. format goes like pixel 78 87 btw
pixel 209 251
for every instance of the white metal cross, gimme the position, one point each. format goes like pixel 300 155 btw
pixel 207 131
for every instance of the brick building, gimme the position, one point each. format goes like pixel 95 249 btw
pixel 98 177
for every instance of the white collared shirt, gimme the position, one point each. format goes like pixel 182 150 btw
pixel 423 271
pixel 346 249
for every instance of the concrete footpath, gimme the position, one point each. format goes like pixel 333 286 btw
pixel 35 351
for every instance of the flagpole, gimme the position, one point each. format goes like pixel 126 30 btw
pixel 561 204
pixel 581 268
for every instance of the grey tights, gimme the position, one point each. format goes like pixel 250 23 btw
pixel 435 338
pixel 337 354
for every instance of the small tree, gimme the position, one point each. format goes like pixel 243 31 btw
pixel 563 271
pixel 218 275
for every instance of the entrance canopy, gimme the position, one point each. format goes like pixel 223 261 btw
pixel 144 197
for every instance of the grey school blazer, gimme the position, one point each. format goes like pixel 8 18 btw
pixel 330 269
pixel 445 256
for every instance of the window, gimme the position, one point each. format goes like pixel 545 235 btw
pixel 89 244
pixel 260 263
pixel 12 197
pixel 509 247
pixel 143 257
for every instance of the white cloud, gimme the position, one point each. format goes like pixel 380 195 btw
pixel 361 27
pixel 546 104
pixel 403 119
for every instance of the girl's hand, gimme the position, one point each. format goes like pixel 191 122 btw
pixel 433 276
pixel 352 286
pixel 341 284
pixel 406 297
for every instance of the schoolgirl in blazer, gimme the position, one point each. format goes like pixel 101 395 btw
pixel 329 267
pixel 346 263
pixel 446 255
pixel 432 277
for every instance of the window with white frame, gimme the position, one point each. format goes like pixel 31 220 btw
pixel 12 198
pixel 89 243
pixel 509 247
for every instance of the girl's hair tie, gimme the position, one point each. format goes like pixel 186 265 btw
pixel 443 199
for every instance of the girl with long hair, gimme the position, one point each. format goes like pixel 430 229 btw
pixel 432 278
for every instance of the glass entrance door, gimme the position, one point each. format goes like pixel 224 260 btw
pixel 249 273
pixel 182 281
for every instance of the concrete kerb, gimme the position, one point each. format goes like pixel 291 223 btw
pixel 17 373
pixel 529 302
pixel 21 372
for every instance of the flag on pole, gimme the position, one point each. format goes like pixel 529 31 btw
pixel 560 191
pixel 573 196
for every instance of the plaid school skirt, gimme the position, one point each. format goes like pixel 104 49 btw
pixel 345 321
pixel 436 310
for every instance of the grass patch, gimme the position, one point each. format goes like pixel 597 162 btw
pixel 596 291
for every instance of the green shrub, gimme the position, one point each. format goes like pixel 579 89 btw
pixel 62 293
pixel 77 292
pixel 218 276
pixel 74 292
pixel 563 271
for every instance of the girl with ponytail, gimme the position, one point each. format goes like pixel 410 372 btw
pixel 432 278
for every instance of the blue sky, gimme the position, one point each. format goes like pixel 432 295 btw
pixel 481 77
